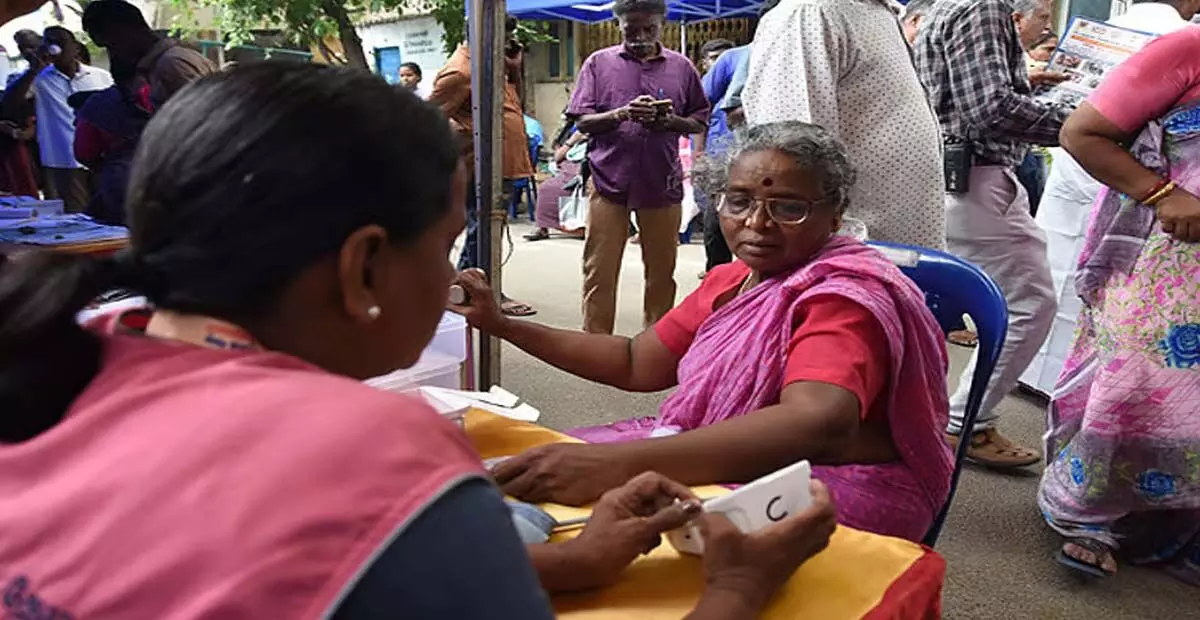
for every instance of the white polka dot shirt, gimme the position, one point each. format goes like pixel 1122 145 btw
pixel 844 65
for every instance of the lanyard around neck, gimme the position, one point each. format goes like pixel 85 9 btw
pixel 200 330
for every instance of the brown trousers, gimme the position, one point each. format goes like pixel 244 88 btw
pixel 603 249
pixel 71 185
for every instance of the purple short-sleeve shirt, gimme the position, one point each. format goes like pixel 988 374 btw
pixel 633 165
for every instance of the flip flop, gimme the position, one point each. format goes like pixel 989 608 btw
pixel 512 307
pixel 1092 570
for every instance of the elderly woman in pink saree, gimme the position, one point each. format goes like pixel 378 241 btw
pixel 1124 421
pixel 810 346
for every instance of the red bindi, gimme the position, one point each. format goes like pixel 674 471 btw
pixel 767 182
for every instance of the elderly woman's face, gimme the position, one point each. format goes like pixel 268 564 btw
pixel 764 244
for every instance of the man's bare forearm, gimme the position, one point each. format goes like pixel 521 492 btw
pixel 603 122
pixel 685 125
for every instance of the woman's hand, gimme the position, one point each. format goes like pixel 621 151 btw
pixel 482 310
pixel 750 568
pixel 627 522
pixel 10 129
pixel 572 474
pixel 1179 213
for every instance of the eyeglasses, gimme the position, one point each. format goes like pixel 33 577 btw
pixel 782 212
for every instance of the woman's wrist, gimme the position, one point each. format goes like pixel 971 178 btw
pixel 720 602
pixel 503 327
pixel 568 566
pixel 627 459
pixel 1165 187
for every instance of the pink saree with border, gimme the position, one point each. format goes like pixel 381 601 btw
pixel 736 366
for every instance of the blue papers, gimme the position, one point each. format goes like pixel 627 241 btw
pixel 59 230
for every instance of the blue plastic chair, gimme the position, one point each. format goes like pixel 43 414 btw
pixel 526 189
pixel 954 287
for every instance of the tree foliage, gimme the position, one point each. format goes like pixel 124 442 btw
pixel 312 22
pixel 306 22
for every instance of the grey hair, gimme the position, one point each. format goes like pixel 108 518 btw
pixel 810 146
pixel 917 8
pixel 1025 7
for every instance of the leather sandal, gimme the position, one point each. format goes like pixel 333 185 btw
pixel 991 449
pixel 964 338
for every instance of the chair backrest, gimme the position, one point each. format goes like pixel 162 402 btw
pixel 954 287
pixel 535 149
pixel 533 132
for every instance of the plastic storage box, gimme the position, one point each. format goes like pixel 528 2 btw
pixel 441 365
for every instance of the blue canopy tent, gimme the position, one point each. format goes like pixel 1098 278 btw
pixel 686 12
pixel 591 12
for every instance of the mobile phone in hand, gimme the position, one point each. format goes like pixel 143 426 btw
pixel 662 107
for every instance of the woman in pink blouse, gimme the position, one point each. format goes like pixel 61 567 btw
pixel 216 456
pixel 1124 434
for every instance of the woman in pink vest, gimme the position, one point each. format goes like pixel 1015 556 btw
pixel 216 456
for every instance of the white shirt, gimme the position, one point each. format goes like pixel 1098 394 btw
pixel 1153 17
pixel 55 118
pixel 844 65
pixel 1070 190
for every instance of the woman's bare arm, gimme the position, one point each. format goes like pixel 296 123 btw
pixel 1101 148
pixel 815 421
pixel 639 364
pixel 12 9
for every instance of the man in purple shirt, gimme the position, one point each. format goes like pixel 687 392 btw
pixel 634 101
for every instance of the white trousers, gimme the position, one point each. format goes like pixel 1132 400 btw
pixel 991 227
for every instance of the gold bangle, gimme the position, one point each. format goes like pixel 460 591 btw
pixel 1158 196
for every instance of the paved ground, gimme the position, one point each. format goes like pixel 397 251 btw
pixel 997 547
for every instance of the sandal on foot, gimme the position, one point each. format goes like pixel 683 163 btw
pixel 512 307
pixel 1093 546
pixel 991 449
pixel 540 234
pixel 964 338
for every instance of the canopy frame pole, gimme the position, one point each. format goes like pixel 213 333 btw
pixel 486 38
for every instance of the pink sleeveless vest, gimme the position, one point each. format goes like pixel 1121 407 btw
pixel 194 483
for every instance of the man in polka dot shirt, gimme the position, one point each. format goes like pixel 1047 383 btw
pixel 844 65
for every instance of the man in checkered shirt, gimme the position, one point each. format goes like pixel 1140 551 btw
pixel 970 58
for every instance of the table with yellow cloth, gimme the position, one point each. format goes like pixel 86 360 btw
pixel 860 575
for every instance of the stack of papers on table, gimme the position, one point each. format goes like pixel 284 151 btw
pixel 25 207
pixel 59 230
pixel 454 404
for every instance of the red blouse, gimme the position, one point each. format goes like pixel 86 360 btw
pixel 835 340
